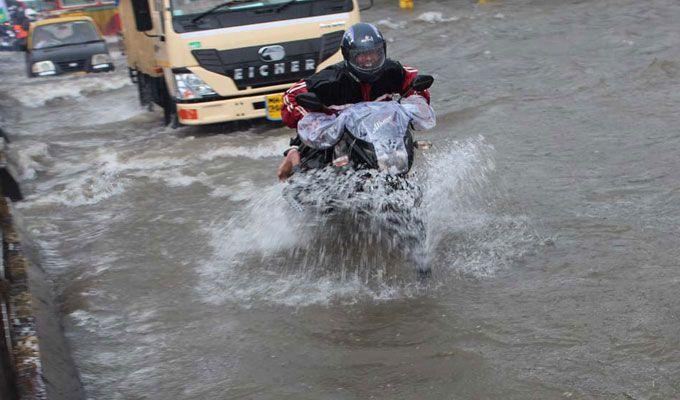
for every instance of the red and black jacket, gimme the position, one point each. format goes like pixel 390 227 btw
pixel 337 88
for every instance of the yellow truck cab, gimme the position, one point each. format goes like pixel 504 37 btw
pixel 207 61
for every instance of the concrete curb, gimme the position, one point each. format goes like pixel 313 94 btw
pixel 35 358
pixel 22 369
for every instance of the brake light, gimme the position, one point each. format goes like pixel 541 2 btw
pixel 188 114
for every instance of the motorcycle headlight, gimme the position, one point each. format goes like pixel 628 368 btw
pixel 43 68
pixel 189 87
pixel 101 60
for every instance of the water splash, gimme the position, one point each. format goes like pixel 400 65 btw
pixel 469 231
pixel 330 237
pixel 270 148
pixel 380 209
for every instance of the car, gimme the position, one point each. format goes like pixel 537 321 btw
pixel 66 45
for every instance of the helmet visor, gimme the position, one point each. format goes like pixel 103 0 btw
pixel 367 59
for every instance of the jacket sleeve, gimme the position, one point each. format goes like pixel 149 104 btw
pixel 409 75
pixel 292 113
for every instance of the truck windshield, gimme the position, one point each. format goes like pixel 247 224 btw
pixel 198 15
pixel 64 34
pixel 192 7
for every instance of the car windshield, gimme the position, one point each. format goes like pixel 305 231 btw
pixel 64 34
pixel 190 7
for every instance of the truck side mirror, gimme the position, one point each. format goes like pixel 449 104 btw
pixel 142 13
pixel 365 4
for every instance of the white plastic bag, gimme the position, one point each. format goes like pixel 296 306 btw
pixel 321 131
pixel 422 115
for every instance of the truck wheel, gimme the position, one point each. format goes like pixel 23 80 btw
pixel 167 102
pixel 170 113
pixel 144 91
pixel 140 90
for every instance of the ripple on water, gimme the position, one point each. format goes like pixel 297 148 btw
pixel 104 173
pixel 99 181
pixel 30 158
pixel 37 95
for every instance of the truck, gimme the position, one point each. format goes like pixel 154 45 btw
pixel 208 61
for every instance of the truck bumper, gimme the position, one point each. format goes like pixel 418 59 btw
pixel 222 110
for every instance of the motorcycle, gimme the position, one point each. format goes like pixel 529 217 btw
pixel 7 37
pixel 360 162
pixel 12 37
pixel 369 135
pixel 375 138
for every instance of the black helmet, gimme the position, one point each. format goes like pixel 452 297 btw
pixel 364 49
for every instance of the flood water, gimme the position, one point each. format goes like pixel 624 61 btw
pixel 551 201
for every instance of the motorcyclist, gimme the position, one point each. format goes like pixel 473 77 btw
pixel 17 11
pixel 30 15
pixel 364 75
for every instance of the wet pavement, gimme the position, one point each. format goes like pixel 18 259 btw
pixel 551 200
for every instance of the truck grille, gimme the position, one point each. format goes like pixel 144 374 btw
pixel 70 66
pixel 247 68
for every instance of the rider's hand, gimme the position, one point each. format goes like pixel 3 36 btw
pixel 286 168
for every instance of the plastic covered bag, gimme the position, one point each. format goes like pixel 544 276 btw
pixel 384 125
pixel 321 131
pixel 369 121
pixel 375 119
pixel 422 115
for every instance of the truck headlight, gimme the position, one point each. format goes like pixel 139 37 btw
pixel 189 87
pixel 101 61
pixel 43 68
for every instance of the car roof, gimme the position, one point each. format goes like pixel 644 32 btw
pixel 49 21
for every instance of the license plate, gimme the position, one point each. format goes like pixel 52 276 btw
pixel 273 105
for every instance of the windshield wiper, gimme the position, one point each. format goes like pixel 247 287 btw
pixel 69 44
pixel 217 7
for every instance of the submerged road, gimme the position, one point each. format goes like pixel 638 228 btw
pixel 552 204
